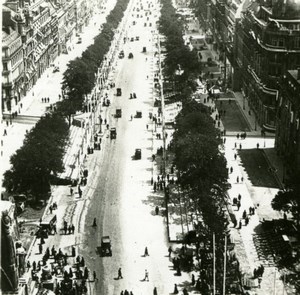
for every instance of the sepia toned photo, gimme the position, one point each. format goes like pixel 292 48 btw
pixel 150 147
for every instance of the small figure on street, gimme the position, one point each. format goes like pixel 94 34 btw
pixel 146 252
pixel 156 210
pixel 95 222
pixel 73 228
pixel 235 156
pixel 120 274
pixel 170 251
pixel 246 220
pixel 71 191
pixel 237 179
pixel 95 276
pixel 244 214
pixel 234 223
pixel 155 291
pixel 40 248
pixel 231 169
pixel 50 209
pixel 240 146
pixel 175 289
pixel 146 275
pixel 193 280
pixel 242 179
pixel 185 292
pixel 240 224
pixel 147 126
pixel 257 145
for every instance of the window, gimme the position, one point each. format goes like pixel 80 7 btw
pixel 297 42
pixel 5 68
pixel 277 42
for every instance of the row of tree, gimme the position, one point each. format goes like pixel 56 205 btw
pixel 181 65
pixel 79 78
pixel 40 159
pixel 200 163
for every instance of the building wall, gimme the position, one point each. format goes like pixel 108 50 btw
pixel 287 139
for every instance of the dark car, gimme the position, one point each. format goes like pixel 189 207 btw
pixel 106 246
pixel 138 154
pixel 130 55
pixel 119 91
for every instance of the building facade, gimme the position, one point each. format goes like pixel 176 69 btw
pixel 270 36
pixel 287 140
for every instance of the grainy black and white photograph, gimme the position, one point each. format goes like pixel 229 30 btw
pixel 150 147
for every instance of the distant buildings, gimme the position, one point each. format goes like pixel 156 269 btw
pixel 34 33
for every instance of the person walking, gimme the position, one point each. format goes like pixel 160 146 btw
pixel 170 251
pixel 146 275
pixel 120 274
pixel 156 210
pixel 238 205
pixel 146 252
pixel 155 291
pixel 95 222
pixel 175 289
pixel 40 248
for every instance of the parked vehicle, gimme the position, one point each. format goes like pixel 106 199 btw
pixel 130 55
pixel 119 91
pixel 118 113
pixel 106 246
pixel 138 154
pixel 121 54
pixel 138 114
pixel 144 49
pixel 79 40
pixel 47 224
pixel 113 133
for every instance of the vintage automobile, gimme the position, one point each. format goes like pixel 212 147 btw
pixel 106 246
pixel 113 133
pixel 119 91
pixel 138 154
pixel 118 113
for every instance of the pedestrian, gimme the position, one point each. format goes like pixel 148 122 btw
pixel 72 228
pixel 71 191
pixel 146 252
pixel 193 280
pixel 95 222
pixel 122 292
pixel 95 276
pixel 244 214
pixel 238 136
pixel 50 209
pixel 155 291
pixel 175 289
pixel 231 169
pixel 235 145
pixel 120 274
pixel 257 145
pixel 170 251
pixel 240 146
pixel 240 224
pixel 54 229
pixel 156 210
pixel 247 220
pixel 234 223
pixel 146 275
pixel 254 273
pixel 28 265
pixel 242 179
pixel 237 179
pixel 147 126
pixel 5 132
pixel 69 229
pixel 40 248
pixel 235 156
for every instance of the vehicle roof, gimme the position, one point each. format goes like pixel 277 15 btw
pixel 105 239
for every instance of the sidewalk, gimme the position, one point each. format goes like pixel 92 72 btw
pixel 48 85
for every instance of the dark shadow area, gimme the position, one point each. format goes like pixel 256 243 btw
pixel 233 119
pixel 258 169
